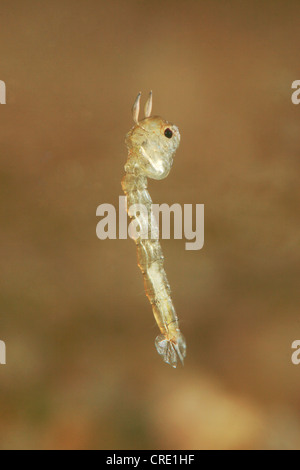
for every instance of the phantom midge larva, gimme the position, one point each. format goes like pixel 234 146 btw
pixel 151 145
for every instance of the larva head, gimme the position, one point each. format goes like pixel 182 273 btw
pixel 152 143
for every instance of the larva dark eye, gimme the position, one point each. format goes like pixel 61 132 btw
pixel 168 133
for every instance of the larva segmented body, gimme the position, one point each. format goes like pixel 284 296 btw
pixel 151 146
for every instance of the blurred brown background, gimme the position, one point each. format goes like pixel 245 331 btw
pixel 82 371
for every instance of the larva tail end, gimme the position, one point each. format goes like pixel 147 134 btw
pixel 171 350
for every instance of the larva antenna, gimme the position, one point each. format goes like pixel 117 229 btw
pixel 148 105
pixel 136 108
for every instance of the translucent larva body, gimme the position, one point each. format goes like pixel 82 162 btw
pixel 151 145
